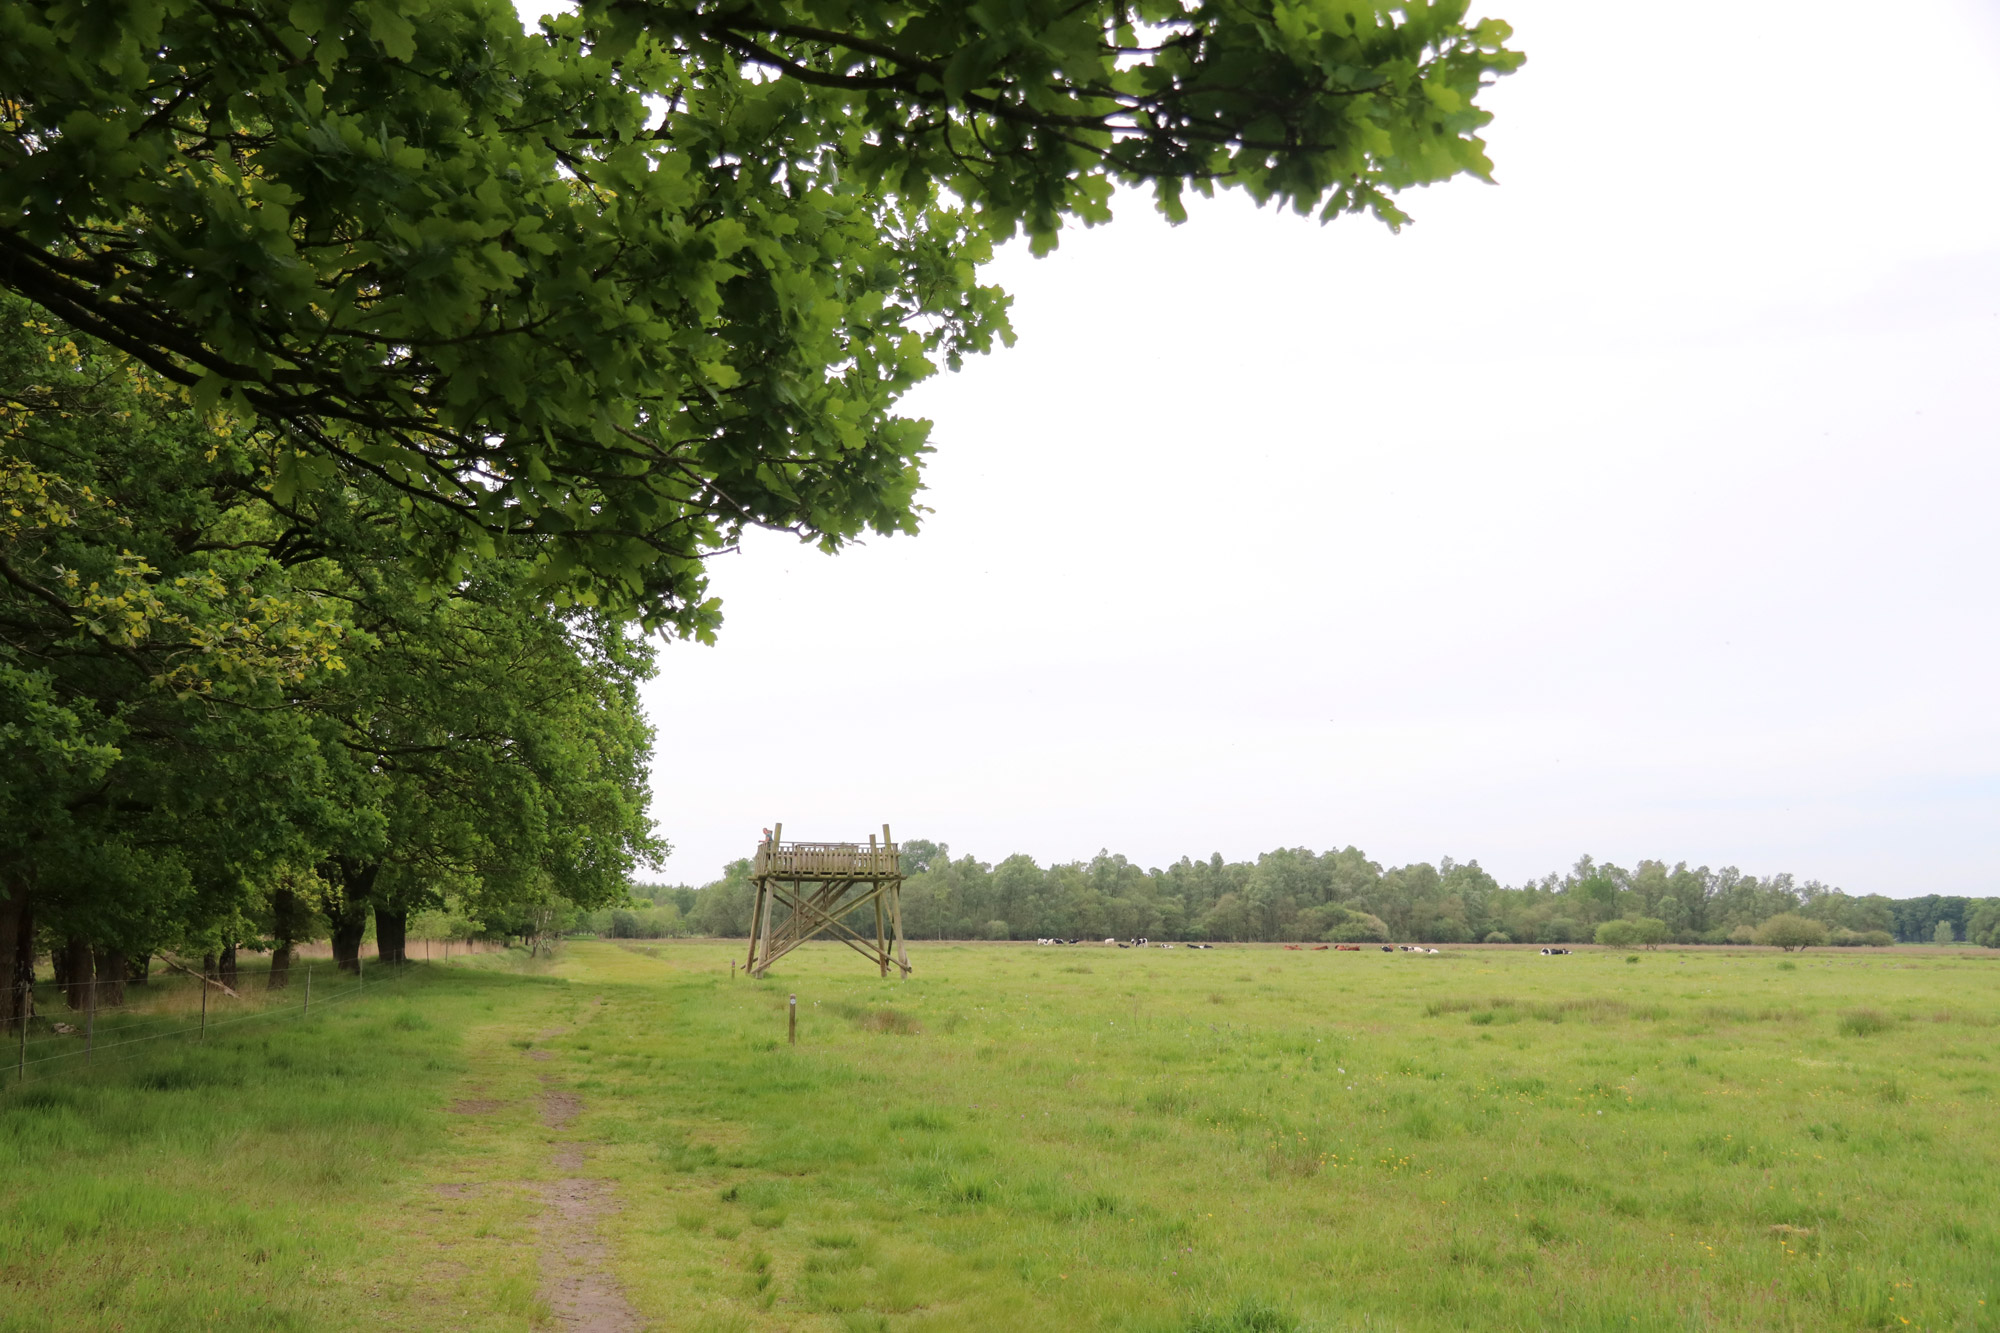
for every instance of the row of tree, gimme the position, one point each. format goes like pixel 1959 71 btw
pixel 1297 894
pixel 240 715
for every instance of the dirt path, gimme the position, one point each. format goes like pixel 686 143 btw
pixel 576 1267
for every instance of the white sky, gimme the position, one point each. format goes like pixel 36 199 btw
pixel 1642 506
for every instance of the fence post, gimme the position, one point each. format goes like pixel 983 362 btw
pixel 204 1009
pixel 90 1026
pixel 26 996
pixel 793 1034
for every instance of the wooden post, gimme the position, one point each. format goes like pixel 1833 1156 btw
pixel 881 940
pixel 204 1009
pixel 896 906
pixel 90 1026
pixel 306 1008
pixel 881 944
pixel 792 1032
pixel 26 998
pixel 763 954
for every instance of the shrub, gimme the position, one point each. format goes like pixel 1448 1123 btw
pixel 1743 935
pixel 1618 934
pixel 1498 937
pixel 1789 930
pixel 1561 930
pixel 994 930
pixel 1355 928
pixel 1875 939
pixel 1944 934
pixel 1650 931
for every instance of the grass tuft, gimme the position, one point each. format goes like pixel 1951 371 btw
pixel 1251 1316
pixel 1865 1022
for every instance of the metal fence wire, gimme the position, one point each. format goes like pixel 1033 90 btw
pixel 86 1042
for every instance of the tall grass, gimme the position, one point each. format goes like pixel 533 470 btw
pixel 232 1182
pixel 1240 1141
pixel 1252 1138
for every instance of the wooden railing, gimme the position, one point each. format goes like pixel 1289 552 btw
pixel 827 860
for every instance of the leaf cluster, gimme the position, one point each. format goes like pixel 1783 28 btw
pixel 602 296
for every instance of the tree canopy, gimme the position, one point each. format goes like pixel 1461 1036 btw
pixel 220 713
pixel 603 295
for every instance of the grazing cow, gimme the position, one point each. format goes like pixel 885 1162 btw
pixel 1122 946
pixel 1387 949
pixel 1293 947
pixel 1111 941
pixel 1347 948
pixel 1318 947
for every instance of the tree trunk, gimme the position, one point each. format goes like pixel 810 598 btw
pixel 288 922
pixel 225 969
pixel 391 934
pixel 350 915
pixel 17 958
pixel 208 966
pixel 347 933
pixel 78 972
pixel 139 971
pixel 110 965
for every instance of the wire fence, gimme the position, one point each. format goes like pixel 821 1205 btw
pixel 95 1034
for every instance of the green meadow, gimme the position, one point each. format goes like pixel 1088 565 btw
pixel 1021 1137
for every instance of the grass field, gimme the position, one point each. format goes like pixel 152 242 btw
pixel 1033 1138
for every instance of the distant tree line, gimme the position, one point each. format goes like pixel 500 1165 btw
pixel 1295 894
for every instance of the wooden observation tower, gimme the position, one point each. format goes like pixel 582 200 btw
pixel 819 885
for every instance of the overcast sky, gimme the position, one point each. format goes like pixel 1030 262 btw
pixel 1642 505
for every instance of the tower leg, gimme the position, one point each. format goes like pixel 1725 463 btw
pixel 881 945
pixel 762 943
pixel 896 918
pixel 757 910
